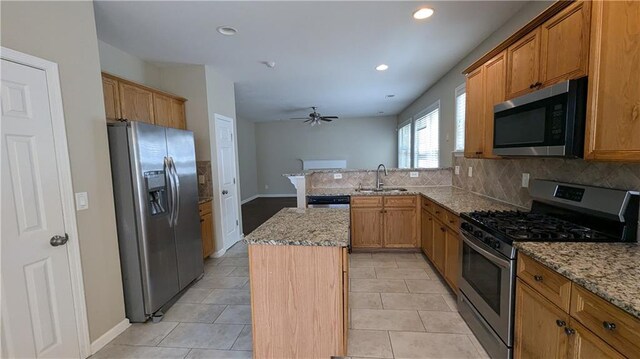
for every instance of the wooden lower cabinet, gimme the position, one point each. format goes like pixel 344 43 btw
pixel 400 228
pixel 380 223
pixel 452 259
pixel 308 322
pixel 206 228
pixel 426 233
pixel 439 246
pixel 537 333
pixel 545 330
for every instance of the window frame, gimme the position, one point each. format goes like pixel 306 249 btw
pixel 407 122
pixel 459 90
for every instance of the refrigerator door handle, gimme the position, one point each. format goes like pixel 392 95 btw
pixel 176 182
pixel 169 179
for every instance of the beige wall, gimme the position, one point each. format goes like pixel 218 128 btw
pixel 65 33
pixel 122 64
pixel 363 142
pixel 444 88
pixel 247 159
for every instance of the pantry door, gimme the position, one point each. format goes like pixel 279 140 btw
pixel 38 305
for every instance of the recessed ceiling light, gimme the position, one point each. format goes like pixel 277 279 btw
pixel 227 30
pixel 382 67
pixel 390 96
pixel 380 112
pixel 423 13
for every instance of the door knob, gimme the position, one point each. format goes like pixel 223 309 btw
pixel 225 191
pixel 59 240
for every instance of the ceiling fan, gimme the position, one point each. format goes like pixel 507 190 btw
pixel 315 118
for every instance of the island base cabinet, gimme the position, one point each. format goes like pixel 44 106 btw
pixel 298 301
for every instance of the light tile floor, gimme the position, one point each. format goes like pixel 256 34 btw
pixel 400 308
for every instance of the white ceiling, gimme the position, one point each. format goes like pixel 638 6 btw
pixel 325 51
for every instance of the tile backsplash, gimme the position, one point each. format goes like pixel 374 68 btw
pixel 204 169
pixel 502 179
pixel 367 178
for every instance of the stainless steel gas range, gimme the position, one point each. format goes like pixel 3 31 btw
pixel 559 212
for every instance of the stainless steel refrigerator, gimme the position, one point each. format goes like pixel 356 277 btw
pixel 156 199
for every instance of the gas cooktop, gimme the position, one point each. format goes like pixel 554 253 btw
pixel 523 226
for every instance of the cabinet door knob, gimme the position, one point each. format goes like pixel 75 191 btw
pixel 609 325
pixel 531 86
pixel 538 278
pixel 561 323
pixel 569 331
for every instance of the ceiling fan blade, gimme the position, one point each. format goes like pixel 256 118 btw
pixel 326 120
pixel 308 120
pixel 299 118
pixel 335 117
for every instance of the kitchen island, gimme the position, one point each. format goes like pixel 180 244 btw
pixel 298 270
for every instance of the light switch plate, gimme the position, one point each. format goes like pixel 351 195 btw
pixel 201 179
pixel 457 170
pixel 414 174
pixel 337 176
pixel 470 172
pixel 82 201
pixel 525 180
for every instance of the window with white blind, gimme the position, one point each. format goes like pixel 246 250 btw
pixel 404 146
pixel 427 146
pixel 461 101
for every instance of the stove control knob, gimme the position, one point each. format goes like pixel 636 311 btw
pixel 478 234
pixel 496 244
pixel 466 227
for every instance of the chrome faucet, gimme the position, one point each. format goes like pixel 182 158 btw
pixel 378 181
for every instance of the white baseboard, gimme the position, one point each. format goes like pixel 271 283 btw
pixel 109 336
pixel 249 199
pixel 278 195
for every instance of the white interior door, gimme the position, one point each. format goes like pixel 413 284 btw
pixel 38 316
pixel 226 150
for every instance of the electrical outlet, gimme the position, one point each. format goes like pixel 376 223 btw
pixel 337 176
pixel 201 179
pixel 457 170
pixel 525 180
pixel 82 201
pixel 266 186
pixel 470 172
pixel 413 174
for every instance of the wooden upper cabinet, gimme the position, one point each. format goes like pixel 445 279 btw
pixel 495 71
pixel 613 108
pixel 136 103
pixel 564 44
pixel 111 98
pixel 178 116
pixel 539 326
pixel 162 110
pixel 523 65
pixel 474 114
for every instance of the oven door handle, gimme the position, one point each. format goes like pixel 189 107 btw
pixel 495 259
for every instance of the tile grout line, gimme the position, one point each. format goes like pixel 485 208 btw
pixel 165 337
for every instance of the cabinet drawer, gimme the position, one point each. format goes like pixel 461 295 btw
pixel 440 213
pixel 453 221
pixel 366 201
pixel 427 205
pixel 204 208
pixel 550 284
pixel 612 324
pixel 400 201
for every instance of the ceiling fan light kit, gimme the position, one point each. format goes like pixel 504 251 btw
pixel 315 118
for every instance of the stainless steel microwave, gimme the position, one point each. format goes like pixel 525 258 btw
pixel 547 123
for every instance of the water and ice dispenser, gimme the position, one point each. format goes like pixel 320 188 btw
pixel 156 192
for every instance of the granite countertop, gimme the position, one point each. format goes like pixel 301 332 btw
pixel 346 170
pixel 327 227
pixel 609 270
pixel 202 200
pixel 452 198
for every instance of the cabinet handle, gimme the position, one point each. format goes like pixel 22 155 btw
pixel 609 325
pixel 532 86
pixel 561 323
pixel 201 220
pixel 569 331
pixel 478 152
pixel 538 278
pixel 437 212
pixel 443 229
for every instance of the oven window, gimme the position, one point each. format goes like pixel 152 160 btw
pixel 483 275
pixel 522 128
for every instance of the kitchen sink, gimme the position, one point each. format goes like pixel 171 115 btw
pixel 381 190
